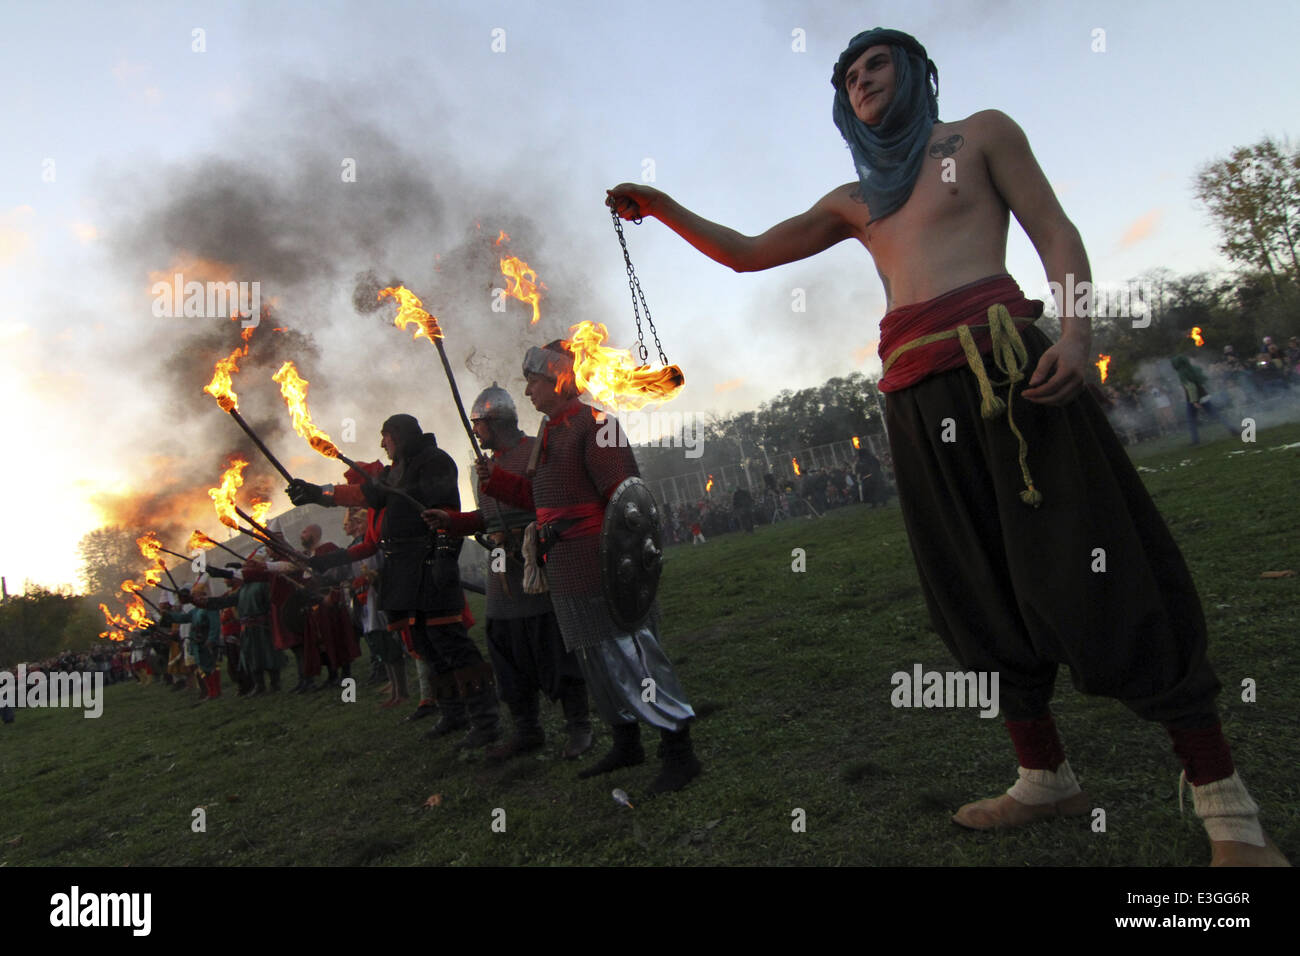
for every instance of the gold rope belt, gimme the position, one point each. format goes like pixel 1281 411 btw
pixel 1010 356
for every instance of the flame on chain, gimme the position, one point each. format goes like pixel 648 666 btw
pixel 612 376
pixel 1103 364
pixel 1195 336
pixel 795 463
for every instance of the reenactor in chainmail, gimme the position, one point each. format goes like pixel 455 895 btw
pixel 576 466
pixel 528 652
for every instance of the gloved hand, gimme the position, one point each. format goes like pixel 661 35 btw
pixel 220 573
pixel 334 559
pixel 305 493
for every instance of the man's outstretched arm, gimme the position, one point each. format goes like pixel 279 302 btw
pixel 802 236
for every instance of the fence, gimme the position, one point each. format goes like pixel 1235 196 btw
pixel 692 486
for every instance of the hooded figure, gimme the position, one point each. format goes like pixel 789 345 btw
pixel 888 156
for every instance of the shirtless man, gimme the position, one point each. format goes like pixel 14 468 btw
pixel 1003 558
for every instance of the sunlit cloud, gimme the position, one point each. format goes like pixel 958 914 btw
pixel 1143 227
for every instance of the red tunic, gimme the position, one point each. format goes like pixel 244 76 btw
pixel 583 461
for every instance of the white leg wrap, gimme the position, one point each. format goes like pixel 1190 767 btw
pixel 1035 787
pixel 1228 811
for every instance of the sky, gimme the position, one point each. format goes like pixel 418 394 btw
pixel 214 139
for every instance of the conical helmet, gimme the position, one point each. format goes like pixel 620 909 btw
pixel 494 402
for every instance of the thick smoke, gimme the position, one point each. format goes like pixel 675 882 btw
pixel 280 209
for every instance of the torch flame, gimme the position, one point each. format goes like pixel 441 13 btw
pixel 149 545
pixel 259 508
pixel 116 625
pixel 525 286
pixel 709 487
pixel 200 542
pixel 1195 336
pixel 612 376
pixel 411 310
pixel 795 463
pixel 223 496
pixel 1102 363
pixel 221 387
pixel 856 443
pixel 294 389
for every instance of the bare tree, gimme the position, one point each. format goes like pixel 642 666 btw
pixel 1254 198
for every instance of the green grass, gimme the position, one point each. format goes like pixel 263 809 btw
pixel 791 676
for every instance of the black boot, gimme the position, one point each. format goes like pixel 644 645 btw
pixel 577 719
pixel 680 766
pixel 275 680
pixel 479 692
pixel 451 708
pixel 626 752
pixel 528 736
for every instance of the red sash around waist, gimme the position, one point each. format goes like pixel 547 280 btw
pixel 966 305
pixel 587 519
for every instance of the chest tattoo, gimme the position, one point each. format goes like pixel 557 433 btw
pixel 943 148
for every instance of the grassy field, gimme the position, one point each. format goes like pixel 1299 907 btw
pixel 790 673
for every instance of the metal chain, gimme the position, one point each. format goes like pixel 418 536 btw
pixel 638 296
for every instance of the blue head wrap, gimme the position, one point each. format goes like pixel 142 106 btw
pixel 889 155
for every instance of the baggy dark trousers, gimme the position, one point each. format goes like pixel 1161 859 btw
pixel 528 656
pixel 1012 588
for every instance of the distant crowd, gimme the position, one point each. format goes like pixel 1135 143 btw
pixel 1187 395
pixel 867 481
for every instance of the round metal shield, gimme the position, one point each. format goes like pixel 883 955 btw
pixel 631 552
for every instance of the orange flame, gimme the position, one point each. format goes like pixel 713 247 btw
pixel 504 237
pixel 294 389
pixel 259 508
pixel 221 387
pixel 223 496
pixel 1102 363
pixel 856 443
pixel 612 377
pixel 410 310
pixel 1195 336
pixel 200 542
pixel 115 624
pixel 525 286
pixel 795 463
pixel 709 487
pixel 135 611
pixel 149 545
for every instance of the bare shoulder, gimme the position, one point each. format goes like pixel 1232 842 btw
pixel 993 129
